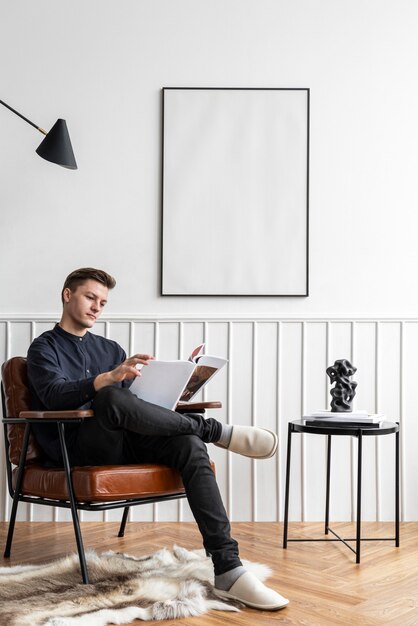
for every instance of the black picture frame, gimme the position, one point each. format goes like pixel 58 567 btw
pixel 195 120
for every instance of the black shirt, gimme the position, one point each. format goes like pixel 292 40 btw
pixel 61 371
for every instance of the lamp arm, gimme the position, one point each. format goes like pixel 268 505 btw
pixel 41 130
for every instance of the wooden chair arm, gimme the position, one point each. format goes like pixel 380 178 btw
pixel 55 415
pixel 182 407
pixel 195 407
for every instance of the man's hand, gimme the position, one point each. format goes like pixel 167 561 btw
pixel 125 371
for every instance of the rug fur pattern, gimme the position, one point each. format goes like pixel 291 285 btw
pixel 167 584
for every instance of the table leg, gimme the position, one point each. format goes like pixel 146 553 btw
pixel 286 498
pixel 397 534
pixel 328 484
pixel 359 462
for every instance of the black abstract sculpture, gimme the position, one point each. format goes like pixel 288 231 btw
pixel 345 389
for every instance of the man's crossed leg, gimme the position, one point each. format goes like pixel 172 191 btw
pixel 128 430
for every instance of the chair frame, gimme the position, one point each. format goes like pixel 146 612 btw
pixel 61 418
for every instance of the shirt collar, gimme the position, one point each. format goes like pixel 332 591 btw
pixel 75 338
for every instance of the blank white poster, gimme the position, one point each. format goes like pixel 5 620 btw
pixel 235 192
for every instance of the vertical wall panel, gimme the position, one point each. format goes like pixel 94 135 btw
pixel 4 497
pixel 100 328
pixel 265 415
pixel 143 338
pixel 168 340
pixel 3 331
pixel 315 446
pixel 241 362
pixel 20 338
pixel 43 326
pixel 388 398
pixel 120 332
pixel 291 409
pixel 409 423
pixel 276 371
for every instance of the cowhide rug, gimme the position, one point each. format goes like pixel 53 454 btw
pixel 168 584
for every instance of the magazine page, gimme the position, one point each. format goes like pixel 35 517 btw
pixel 206 368
pixel 162 382
pixel 196 353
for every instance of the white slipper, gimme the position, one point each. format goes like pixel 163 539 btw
pixel 249 590
pixel 257 443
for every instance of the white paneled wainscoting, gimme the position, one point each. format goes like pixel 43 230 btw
pixel 275 374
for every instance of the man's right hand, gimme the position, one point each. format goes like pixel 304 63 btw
pixel 125 371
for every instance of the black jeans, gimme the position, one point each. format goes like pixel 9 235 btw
pixel 128 430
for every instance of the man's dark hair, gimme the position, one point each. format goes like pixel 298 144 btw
pixel 78 277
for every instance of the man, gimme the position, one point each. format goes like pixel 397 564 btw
pixel 69 368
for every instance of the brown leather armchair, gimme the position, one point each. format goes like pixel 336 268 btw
pixel 76 488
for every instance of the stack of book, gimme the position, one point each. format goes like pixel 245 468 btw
pixel 354 419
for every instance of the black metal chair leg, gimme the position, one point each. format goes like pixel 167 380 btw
pixel 121 532
pixel 286 498
pixel 328 484
pixel 16 494
pixel 74 514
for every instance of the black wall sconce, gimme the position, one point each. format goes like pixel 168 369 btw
pixel 56 147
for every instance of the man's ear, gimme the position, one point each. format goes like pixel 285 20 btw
pixel 66 294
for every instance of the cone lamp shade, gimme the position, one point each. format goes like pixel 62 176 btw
pixel 57 148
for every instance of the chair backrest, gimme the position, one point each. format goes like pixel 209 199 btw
pixel 16 399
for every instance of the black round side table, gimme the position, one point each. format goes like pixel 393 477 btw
pixel 387 428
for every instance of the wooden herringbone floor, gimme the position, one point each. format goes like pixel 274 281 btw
pixel 324 584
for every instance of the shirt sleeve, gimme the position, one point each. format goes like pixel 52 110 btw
pixel 51 386
pixel 125 383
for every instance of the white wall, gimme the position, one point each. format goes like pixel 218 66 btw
pixel 101 65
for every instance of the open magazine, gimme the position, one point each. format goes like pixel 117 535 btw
pixel 168 382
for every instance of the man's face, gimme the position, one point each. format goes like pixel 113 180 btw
pixel 85 304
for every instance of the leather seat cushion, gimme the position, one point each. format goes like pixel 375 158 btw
pixel 101 484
